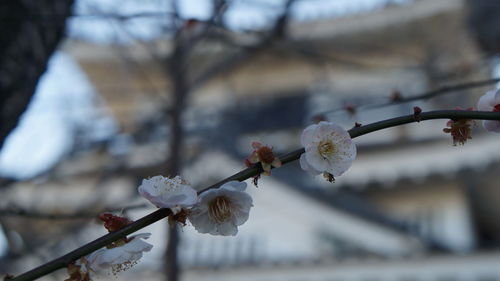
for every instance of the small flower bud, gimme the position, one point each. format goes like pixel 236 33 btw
pixel 416 113
pixel 318 118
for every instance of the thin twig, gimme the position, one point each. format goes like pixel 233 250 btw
pixel 423 96
pixel 84 250
pixel 18 212
pixel 230 62
pixel 118 16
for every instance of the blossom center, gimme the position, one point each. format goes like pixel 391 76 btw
pixel 326 148
pixel 220 209
pixel 496 108
pixel 266 154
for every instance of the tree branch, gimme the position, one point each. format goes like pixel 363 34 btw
pixel 426 95
pixel 18 212
pixel 63 261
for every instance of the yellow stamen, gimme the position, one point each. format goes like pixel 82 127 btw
pixel 220 209
pixel 326 148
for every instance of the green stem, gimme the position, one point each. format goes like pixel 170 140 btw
pixel 84 250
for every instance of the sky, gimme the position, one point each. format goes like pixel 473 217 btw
pixel 43 131
pixel 63 101
pixel 241 15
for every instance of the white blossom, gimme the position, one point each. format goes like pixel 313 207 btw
pixel 328 149
pixel 490 102
pixel 220 211
pixel 168 193
pixel 119 258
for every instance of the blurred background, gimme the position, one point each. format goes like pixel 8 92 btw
pixel 97 95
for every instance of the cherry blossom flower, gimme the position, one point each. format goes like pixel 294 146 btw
pixel 460 129
pixel 168 193
pixel 119 258
pixel 264 155
pixel 328 149
pixel 220 211
pixel 490 102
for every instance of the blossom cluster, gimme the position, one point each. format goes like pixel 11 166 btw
pixel 219 211
pixel 461 129
pixel 216 211
pixel 118 256
pixel 328 150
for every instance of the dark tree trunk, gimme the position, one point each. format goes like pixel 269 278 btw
pixel 29 33
pixel 176 68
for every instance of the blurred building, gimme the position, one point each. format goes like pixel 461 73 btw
pixel 412 207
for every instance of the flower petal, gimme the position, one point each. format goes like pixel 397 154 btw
pixel 234 185
pixel 308 134
pixel 492 125
pixel 202 222
pixel 489 100
pixel 256 145
pixel 168 193
pixel 227 229
pixel 305 165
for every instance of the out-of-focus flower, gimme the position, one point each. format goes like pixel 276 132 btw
pixel 264 155
pixel 220 211
pixel 168 193
pixel 490 102
pixel 119 258
pixel 461 129
pixel 328 149
pixel 350 109
pixel 395 95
